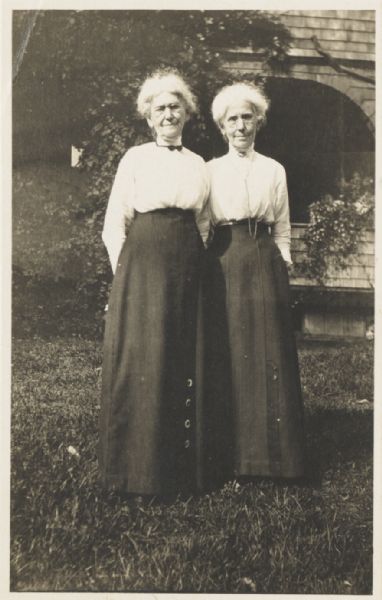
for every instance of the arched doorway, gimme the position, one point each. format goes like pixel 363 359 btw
pixel 318 134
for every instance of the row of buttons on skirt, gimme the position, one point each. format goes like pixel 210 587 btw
pixel 187 423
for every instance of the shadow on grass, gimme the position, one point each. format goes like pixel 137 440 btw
pixel 335 438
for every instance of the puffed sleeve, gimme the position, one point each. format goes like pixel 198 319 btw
pixel 202 215
pixel 282 228
pixel 119 212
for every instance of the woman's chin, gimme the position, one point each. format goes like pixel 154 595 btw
pixel 170 134
pixel 242 147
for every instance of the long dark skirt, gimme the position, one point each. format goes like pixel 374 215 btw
pixel 148 415
pixel 254 412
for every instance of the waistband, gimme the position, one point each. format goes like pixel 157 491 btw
pixel 254 226
pixel 169 210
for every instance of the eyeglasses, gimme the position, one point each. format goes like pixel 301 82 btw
pixel 246 118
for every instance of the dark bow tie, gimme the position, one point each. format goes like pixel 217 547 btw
pixel 170 147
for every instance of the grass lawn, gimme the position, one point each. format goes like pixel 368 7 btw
pixel 268 537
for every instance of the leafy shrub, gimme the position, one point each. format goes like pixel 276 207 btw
pixel 337 225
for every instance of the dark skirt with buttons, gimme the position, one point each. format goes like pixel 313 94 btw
pixel 254 412
pixel 148 442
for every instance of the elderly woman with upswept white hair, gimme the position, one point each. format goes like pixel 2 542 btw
pixel 155 226
pixel 254 415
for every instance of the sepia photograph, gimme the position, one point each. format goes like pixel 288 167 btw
pixel 193 306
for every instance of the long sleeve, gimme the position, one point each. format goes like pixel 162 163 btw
pixel 282 227
pixel 120 211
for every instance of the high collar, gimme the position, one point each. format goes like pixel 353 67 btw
pixel 249 154
pixel 160 142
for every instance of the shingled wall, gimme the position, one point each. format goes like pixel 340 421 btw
pixel 347 35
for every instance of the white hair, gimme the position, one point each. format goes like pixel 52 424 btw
pixel 165 81
pixel 240 92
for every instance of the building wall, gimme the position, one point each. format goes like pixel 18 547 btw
pixel 347 36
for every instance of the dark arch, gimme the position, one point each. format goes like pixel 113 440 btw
pixel 318 133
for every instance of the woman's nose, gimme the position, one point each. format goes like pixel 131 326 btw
pixel 240 124
pixel 168 113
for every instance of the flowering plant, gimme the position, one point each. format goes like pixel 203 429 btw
pixel 336 226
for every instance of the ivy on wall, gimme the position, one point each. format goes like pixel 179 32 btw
pixel 337 225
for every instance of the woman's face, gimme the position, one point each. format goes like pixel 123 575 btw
pixel 167 116
pixel 239 125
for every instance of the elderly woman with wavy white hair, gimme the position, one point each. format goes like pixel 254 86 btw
pixel 254 421
pixel 155 225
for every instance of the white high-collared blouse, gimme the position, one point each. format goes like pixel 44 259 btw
pixel 151 177
pixel 253 185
